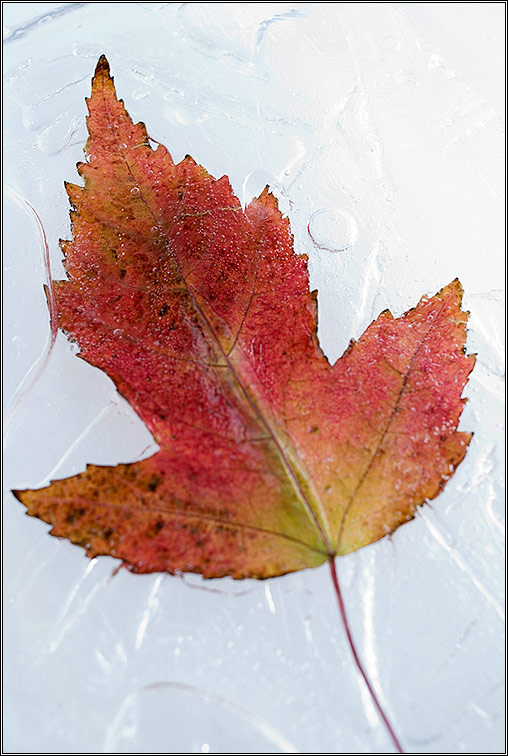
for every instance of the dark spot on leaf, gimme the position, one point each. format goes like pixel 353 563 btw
pixel 154 482
pixel 75 514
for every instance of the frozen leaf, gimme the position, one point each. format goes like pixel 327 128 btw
pixel 271 459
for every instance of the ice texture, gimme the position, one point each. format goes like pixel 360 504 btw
pixel 379 127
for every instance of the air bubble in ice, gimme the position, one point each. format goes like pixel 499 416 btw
pixel 333 230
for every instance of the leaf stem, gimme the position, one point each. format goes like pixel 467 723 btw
pixel 359 664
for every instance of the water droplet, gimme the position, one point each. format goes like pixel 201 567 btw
pixel 334 231
pixel 135 190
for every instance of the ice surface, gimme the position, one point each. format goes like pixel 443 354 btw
pixel 379 126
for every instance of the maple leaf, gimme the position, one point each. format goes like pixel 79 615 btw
pixel 271 459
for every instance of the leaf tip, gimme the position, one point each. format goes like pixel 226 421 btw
pixel 268 199
pixel 454 288
pixel 21 496
pixel 102 66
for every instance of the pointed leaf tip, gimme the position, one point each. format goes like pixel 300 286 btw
pixel 102 66
pixel 454 286
pixel 268 198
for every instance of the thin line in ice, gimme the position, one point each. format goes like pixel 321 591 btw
pixel 459 561
pixel 152 605
pixel 67 618
pixel 37 368
pixel 76 442
pixel 22 31
pixel 110 745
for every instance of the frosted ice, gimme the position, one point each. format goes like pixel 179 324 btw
pixel 379 126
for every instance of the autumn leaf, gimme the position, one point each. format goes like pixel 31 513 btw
pixel 271 459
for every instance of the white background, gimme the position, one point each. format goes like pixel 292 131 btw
pixel 379 126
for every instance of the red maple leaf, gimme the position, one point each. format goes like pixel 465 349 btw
pixel 271 459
